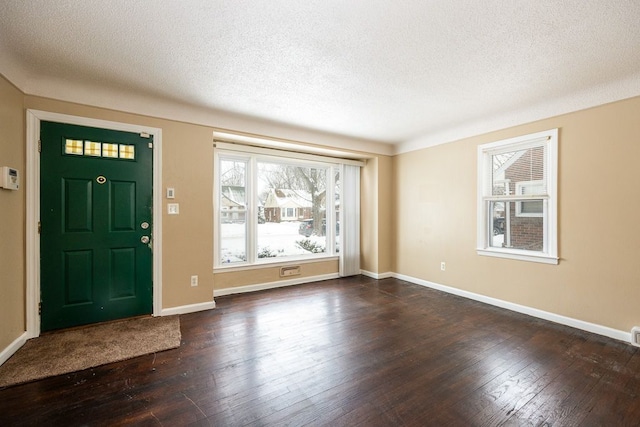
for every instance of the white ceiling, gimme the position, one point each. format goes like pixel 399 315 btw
pixel 412 73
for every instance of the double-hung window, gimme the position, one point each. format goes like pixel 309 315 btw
pixel 517 198
pixel 274 208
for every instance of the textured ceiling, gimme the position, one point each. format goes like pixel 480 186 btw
pixel 381 70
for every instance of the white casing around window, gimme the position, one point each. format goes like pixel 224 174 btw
pixel 251 155
pixel 549 139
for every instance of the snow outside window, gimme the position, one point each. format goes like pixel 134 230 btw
pixel 274 209
pixel 517 206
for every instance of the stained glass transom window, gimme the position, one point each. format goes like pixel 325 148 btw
pixel 78 147
pixel 109 150
pixel 127 151
pixel 92 149
pixel 73 146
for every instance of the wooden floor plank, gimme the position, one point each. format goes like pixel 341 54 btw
pixel 350 352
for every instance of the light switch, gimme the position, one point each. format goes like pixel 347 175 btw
pixel 171 193
pixel 173 208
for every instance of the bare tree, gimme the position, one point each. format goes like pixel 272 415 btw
pixel 233 173
pixel 314 182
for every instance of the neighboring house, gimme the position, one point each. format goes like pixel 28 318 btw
pixel 287 205
pixel 232 203
pixel 523 174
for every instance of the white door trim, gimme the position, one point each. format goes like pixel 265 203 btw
pixel 34 117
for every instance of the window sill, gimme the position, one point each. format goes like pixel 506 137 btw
pixel 274 263
pixel 519 255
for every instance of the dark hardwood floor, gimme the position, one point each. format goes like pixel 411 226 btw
pixel 351 352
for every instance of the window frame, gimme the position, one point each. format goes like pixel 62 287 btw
pixel 485 197
pixel 252 160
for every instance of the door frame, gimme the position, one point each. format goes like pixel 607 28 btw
pixel 32 175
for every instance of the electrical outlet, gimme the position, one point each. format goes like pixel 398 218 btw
pixel 443 266
pixel 194 280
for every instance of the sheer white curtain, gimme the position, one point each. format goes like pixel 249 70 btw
pixel 350 220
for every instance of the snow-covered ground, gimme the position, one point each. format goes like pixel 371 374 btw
pixel 277 238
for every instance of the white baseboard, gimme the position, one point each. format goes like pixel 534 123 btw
pixel 541 314
pixel 191 308
pixel 378 276
pixel 13 347
pixel 272 285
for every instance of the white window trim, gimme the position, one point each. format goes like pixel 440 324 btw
pixel 252 155
pixel 549 254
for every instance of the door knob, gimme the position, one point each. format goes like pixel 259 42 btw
pixel 144 239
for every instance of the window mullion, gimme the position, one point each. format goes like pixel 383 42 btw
pixel 216 208
pixel 252 210
pixel 329 201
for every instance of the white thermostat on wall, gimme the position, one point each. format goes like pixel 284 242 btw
pixel 10 178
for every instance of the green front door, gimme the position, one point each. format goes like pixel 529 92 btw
pixel 95 213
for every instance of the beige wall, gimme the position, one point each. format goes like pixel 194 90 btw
pixel 598 277
pixel 369 214
pixel 253 276
pixel 376 210
pixel 385 212
pixel 418 209
pixel 12 217
pixel 187 166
